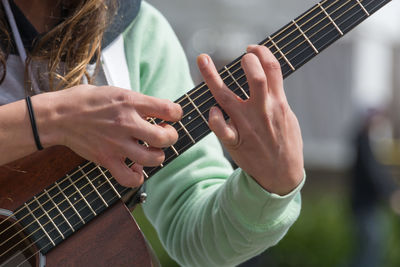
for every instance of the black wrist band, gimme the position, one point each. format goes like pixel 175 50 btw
pixel 33 123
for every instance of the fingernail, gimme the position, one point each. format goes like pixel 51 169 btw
pixel 250 47
pixel 213 112
pixel 203 61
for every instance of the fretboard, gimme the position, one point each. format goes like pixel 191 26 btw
pixel 88 190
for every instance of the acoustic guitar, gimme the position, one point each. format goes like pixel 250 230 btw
pixel 58 209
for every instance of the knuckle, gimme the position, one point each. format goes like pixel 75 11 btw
pixel 273 63
pixel 158 140
pixel 283 106
pixel 168 109
pixel 120 120
pixel 223 99
pixel 126 98
pixel 260 49
pixel 259 80
pixel 103 159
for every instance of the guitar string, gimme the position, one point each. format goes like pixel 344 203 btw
pixel 181 128
pixel 223 72
pixel 33 243
pixel 236 88
pixel 234 64
pixel 55 217
pixel 264 44
pixel 86 185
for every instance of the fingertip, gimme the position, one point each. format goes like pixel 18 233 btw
pixel 180 111
pixel 126 176
pixel 213 114
pixel 203 60
pixel 250 48
pixel 216 120
pixel 138 169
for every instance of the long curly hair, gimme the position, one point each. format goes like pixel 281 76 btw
pixel 68 48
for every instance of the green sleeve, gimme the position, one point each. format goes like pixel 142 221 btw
pixel 205 213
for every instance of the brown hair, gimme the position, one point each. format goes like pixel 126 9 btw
pixel 74 42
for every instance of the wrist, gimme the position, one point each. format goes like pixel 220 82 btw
pixel 281 184
pixel 46 119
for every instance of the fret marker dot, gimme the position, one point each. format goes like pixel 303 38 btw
pixel 190 117
pixel 75 198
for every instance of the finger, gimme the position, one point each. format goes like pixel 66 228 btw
pixel 143 154
pixel 156 135
pixel 226 133
pixel 271 67
pixel 256 78
pixel 164 109
pixel 128 177
pixel 224 96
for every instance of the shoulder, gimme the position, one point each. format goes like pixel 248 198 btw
pixel 149 23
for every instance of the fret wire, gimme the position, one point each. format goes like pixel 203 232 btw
pixel 332 21
pixel 105 177
pixel 233 78
pixel 304 15
pixel 54 217
pixel 363 8
pixel 40 195
pixel 147 145
pixel 48 216
pixel 289 51
pixel 276 35
pixel 39 240
pixel 316 32
pixel 197 109
pixel 58 209
pixel 305 36
pixel 325 26
pixel 73 207
pixel 173 148
pixel 187 133
pixel 145 174
pixel 80 193
pixel 282 54
pixel 32 243
pixel 95 189
pixel 40 225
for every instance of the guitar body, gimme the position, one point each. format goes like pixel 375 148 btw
pixel 112 239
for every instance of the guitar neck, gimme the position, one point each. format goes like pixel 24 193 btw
pixel 88 190
pixel 293 45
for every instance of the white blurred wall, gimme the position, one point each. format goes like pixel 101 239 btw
pixel 328 93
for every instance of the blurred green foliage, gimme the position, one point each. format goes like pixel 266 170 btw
pixel 322 236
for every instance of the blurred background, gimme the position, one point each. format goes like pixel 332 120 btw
pixel 348 104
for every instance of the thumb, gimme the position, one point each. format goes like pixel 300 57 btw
pixel 125 176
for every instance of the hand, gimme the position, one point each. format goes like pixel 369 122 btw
pixel 104 124
pixel 263 135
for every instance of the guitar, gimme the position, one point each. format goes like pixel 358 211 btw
pixel 58 209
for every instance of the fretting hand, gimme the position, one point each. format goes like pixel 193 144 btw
pixel 263 135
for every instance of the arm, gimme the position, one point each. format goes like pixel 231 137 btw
pixel 205 214
pixel 102 124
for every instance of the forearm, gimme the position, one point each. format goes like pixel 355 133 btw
pixel 16 137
